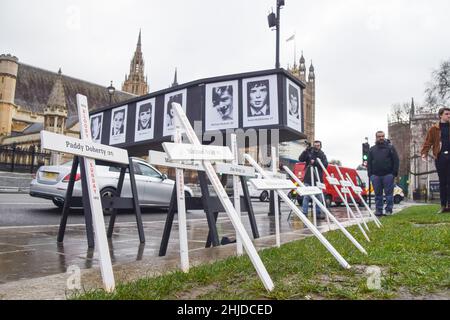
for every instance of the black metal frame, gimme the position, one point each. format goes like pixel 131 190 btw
pixel 212 206
pixel 107 203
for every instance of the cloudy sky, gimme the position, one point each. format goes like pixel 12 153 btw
pixel 367 54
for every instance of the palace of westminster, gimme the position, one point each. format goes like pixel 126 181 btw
pixel 33 99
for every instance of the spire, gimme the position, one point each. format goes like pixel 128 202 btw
pixel 136 82
pixel 302 59
pixel 139 41
pixel 175 82
pixel 311 75
pixel 302 68
pixel 57 97
pixel 413 108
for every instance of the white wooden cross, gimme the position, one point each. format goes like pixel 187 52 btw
pixel 313 192
pixel 196 151
pixel 90 151
pixel 297 211
pixel 347 185
pixel 335 183
pixel 358 191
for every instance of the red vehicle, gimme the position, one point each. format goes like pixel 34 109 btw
pixel 330 194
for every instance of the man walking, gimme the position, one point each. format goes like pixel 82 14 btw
pixel 382 167
pixel 438 138
pixel 310 156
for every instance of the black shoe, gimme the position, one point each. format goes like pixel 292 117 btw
pixel 443 210
pixel 379 214
pixel 320 217
pixel 388 212
pixel 226 240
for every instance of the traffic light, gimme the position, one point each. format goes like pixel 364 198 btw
pixel 365 153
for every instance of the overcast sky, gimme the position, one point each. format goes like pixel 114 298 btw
pixel 367 54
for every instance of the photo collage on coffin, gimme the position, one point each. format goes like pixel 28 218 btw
pixel 118 125
pixel 169 113
pixel 260 101
pixel 221 106
pixel 145 120
pixel 294 106
pixel 96 127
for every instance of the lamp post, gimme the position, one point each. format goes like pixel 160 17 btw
pixel 274 22
pixel 111 91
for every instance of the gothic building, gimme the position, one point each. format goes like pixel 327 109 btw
pixel 408 137
pixel 33 99
pixel 135 83
pixel 290 151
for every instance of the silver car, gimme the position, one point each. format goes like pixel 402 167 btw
pixel 154 188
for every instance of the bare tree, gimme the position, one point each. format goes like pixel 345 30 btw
pixel 437 94
pixel 400 112
pixel 336 162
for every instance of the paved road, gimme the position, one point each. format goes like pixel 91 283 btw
pixel 23 210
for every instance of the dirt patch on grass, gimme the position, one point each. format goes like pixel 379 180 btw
pixel 196 292
pixel 424 225
pixel 405 294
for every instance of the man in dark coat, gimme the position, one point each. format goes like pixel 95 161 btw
pixel 310 156
pixel 382 167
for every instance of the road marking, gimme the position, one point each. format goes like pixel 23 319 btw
pixel 22 203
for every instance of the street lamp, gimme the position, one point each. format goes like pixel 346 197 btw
pixel 111 91
pixel 274 22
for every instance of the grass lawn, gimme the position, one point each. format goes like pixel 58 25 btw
pixel 412 250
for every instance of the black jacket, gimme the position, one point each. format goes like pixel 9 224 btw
pixel 383 160
pixel 311 154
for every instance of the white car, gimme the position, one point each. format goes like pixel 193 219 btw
pixel 154 188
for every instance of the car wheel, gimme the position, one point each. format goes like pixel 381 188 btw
pixel 108 193
pixel 187 194
pixel 264 196
pixel 58 203
pixel 328 201
pixel 397 199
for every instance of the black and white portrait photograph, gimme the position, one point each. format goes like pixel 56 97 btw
pixel 260 101
pixel 96 127
pixel 145 112
pixel 294 103
pixel 118 125
pixel 169 113
pixel 221 105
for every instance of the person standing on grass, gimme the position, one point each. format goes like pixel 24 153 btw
pixel 438 138
pixel 382 168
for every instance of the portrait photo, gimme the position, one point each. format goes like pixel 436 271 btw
pixel 221 105
pixel 96 127
pixel 169 113
pixel 260 99
pixel 145 117
pixel 118 125
pixel 294 106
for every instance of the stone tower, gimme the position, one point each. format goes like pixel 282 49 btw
pixel 136 82
pixel 55 112
pixel 8 76
pixel 309 96
pixel 310 105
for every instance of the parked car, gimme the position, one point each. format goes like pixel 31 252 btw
pixel 399 194
pixel 331 196
pixel 154 188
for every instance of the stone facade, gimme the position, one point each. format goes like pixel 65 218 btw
pixel 33 99
pixel 408 138
pixel 290 151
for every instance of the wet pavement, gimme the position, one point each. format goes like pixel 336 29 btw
pixel 31 255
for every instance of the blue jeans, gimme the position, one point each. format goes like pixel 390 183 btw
pixel 386 184
pixel 305 204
